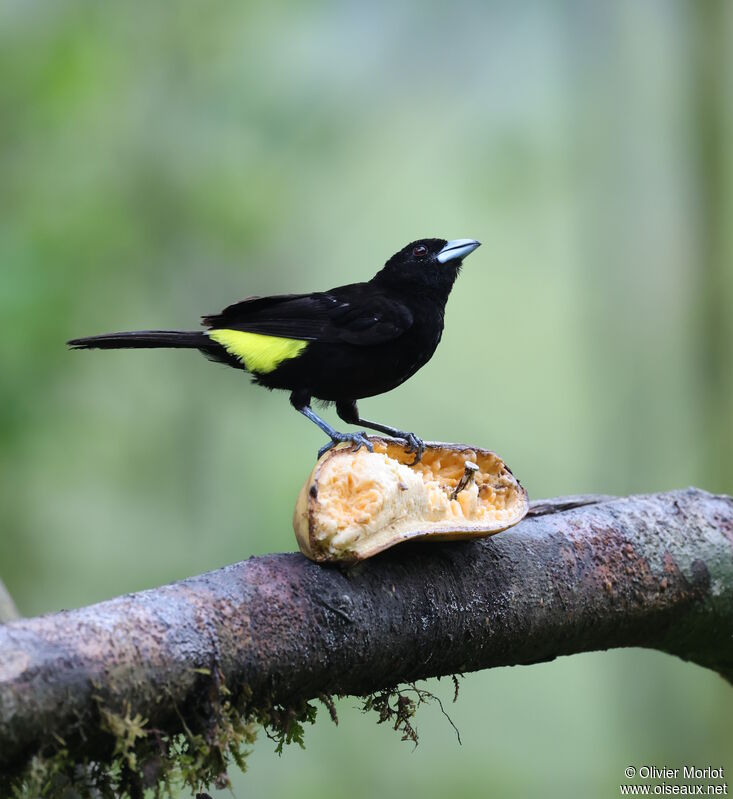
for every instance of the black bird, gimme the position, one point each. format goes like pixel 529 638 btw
pixel 337 346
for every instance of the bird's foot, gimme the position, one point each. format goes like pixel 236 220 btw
pixel 357 439
pixel 414 444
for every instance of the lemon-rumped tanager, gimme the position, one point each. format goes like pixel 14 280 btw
pixel 337 346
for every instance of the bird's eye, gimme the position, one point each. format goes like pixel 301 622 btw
pixel 420 251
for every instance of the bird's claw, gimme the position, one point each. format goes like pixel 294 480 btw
pixel 359 440
pixel 412 444
pixel 416 445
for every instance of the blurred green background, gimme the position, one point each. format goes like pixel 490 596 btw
pixel 158 161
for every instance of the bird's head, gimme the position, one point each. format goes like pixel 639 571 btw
pixel 429 262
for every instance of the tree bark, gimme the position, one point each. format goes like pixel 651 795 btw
pixel 576 575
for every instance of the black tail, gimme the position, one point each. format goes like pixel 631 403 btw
pixel 143 339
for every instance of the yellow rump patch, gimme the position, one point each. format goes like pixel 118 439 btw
pixel 257 352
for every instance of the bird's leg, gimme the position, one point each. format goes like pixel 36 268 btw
pixel 349 412
pixel 358 439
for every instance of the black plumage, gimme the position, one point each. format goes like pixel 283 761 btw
pixel 340 345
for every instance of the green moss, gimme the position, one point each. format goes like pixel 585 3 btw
pixel 125 730
pixel 146 763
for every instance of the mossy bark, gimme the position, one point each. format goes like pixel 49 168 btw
pixel 272 632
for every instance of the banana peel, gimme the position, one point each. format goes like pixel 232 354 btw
pixel 356 503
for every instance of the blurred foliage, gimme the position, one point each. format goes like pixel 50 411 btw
pixel 158 161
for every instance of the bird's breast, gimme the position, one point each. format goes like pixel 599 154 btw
pixel 341 371
pixel 369 371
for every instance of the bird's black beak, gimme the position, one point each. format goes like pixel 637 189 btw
pixel 457 249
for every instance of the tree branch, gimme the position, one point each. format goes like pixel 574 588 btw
pixel 578 575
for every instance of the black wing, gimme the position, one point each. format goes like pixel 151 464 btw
pixel 358 314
